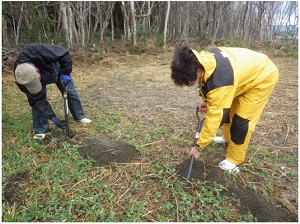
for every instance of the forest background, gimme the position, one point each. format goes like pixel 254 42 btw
pixel 84 24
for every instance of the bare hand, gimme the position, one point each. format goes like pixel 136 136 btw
pixel 194 152
pixel 202 107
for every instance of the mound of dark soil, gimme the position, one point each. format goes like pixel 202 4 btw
pixel 12 187
pixel 249 200
pixel 105 151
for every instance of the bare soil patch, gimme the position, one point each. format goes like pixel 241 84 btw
pixel 249 201
pixel 105 151
pixel 13 186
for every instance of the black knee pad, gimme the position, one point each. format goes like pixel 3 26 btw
pixel 239 129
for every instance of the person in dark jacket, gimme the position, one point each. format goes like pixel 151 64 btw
pixel 37 66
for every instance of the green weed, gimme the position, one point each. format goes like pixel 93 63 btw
pixel 62 186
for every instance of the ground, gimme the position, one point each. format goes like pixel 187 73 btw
pixel 150 105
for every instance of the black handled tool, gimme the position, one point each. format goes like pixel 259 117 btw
pixel 199 126
pixel 66 109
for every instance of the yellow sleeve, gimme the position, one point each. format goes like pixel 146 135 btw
pixel 217 100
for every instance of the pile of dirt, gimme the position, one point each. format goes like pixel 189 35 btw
pixel 105 151
pixel 249 200
pixel 13 186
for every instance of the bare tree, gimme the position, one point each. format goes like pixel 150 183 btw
pixel 185 20
pixel 126 14
pixel 17 24
pixel 106 15
pixel 166 23
pixel 219 9
pixel 75 23
pixel 5 39
pixel 112 26
pixel 64 20
pixel 133 23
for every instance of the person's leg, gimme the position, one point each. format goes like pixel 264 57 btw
pixel 226 126
pixel 248 111
pixel 40 123
pixel 74 102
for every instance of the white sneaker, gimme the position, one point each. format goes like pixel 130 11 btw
pixel 219 139
pixel 229 166
pixel 39 136
pixel 85 121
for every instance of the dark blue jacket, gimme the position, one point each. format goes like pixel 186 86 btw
pixel 48 59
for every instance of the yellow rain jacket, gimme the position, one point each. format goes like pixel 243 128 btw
pixel 236 85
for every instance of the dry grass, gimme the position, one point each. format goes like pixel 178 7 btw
pixel 159 119
pixel 139 86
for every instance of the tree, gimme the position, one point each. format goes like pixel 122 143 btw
pixel 133 23
pixel 219 9
pixel 76 23
pixel 5 39
pixel 166 23
pixel 127 30
pixel 64 20
pixel 17 24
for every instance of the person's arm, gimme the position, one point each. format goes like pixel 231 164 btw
pixel 202 107
pixel 218 107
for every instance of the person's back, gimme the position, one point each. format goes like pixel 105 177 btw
pixel 248 66
pixel 39 65
pixel 47 58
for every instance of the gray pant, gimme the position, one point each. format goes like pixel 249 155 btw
pixel 41 124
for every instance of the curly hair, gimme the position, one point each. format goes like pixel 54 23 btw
pixel 184 66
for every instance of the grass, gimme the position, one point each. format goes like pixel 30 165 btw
pixel 59 185
pixel 63 186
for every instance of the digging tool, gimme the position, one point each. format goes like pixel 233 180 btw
pixel 66 109
pixel 199 126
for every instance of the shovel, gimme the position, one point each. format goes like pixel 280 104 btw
pixel 66 109
pixel 199 126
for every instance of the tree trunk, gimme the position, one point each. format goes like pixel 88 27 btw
pixel 244 22
pixel 166 24
pixel 105 17
pixel 133 23
pixel 18 25
pixel 127 31
pixel 149 14
pixel 186 24
pixel 64 20
pixel 82 22
pixel 5 39
pixel 70 25
pixel 112 26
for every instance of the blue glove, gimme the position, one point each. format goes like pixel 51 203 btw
pixel 67 78
pixel 58 123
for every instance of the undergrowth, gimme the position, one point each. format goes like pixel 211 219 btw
pixel 53 183
pixel 62 186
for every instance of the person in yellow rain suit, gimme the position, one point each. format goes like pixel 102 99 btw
pixel 235 84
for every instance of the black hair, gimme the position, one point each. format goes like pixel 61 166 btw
pixel 184 66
